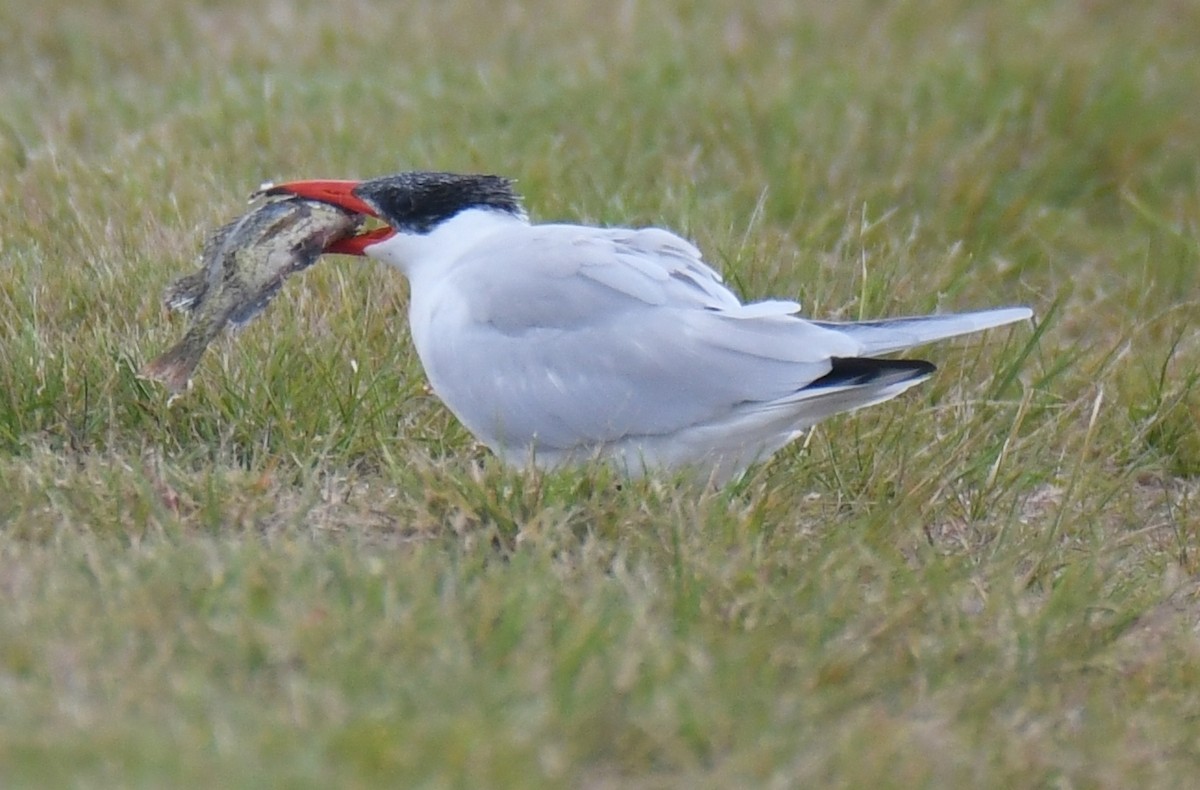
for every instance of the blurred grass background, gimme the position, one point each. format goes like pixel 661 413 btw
pixel 303 573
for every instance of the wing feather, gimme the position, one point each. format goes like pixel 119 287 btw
pixel 895 334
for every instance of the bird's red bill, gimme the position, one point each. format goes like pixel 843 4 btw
pixel 358 243
pixel 333 192
pixel 338 193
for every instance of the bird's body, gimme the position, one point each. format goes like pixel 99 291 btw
pixel 558 343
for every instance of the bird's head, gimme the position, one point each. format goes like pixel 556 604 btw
pixel 409 203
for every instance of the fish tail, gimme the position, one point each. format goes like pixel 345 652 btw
pixel 174 367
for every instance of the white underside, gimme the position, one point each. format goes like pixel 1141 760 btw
pixel 717 453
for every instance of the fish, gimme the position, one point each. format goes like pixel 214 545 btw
pixel 243 266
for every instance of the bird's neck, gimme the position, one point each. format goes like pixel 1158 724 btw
pixel 413 252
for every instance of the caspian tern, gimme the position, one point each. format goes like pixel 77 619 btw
pixel 558 343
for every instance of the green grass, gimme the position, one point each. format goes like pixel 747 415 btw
pixel 304 573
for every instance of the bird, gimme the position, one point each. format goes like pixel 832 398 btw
pixel 556 344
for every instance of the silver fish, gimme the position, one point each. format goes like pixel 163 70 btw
pixel 244 265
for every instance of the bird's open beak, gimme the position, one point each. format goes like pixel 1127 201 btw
pixel 340 194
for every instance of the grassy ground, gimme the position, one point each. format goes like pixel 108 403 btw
pixel 304 573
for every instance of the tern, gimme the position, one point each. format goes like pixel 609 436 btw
pixel 561 343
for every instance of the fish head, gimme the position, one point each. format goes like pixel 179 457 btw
pixel 342 195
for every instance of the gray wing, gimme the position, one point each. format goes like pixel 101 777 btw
pixel 579 335
pixel 565 275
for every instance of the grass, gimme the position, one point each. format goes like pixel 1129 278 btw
pixel 305 574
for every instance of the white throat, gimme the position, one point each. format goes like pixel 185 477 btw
pixel 411 252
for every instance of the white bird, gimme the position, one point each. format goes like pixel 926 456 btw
pixel 558 343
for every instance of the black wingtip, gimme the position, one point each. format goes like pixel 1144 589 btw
pixel 859 371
